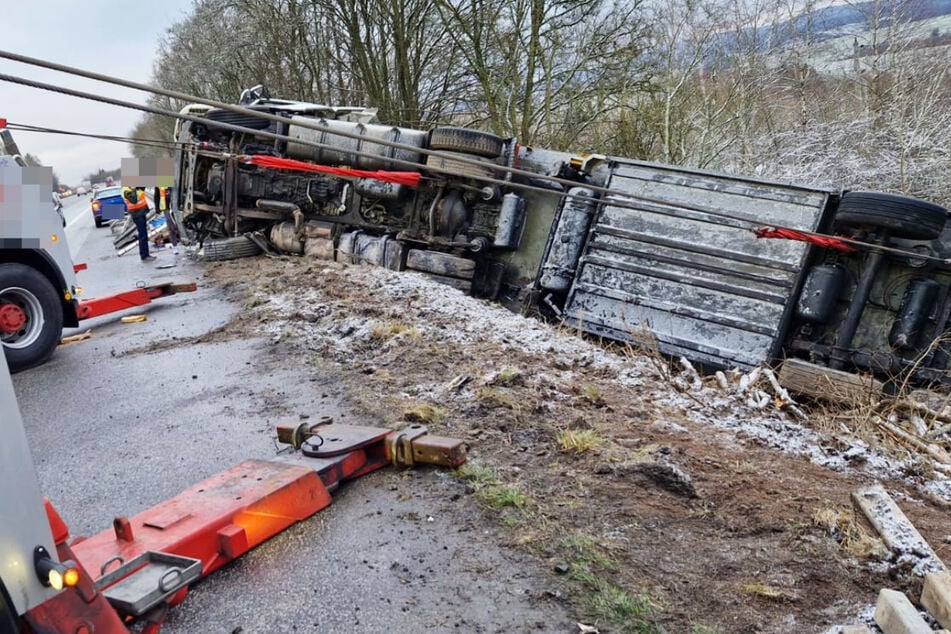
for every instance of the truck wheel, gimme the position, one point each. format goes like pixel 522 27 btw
pixel 229 249
pixel 904 216
pixel 31 318
pixel 98 222
pixel 466 140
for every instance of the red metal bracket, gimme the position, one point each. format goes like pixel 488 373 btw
pixel 223 517
pixel 89 308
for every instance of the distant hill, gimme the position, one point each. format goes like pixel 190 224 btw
pixel 833 21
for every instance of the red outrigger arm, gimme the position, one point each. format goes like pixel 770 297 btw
pixel 410 179
pixel 89 308
pixel 145 564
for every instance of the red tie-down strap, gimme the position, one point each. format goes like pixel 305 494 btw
pixel 828 242
pixel 410 179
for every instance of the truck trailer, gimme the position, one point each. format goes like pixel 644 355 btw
pixel 727 271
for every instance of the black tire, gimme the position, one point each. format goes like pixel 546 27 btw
pixel 903 216
pixel 98 222
pixel 9 620
pixel 228 249
pixel 31 316
pixel 467 141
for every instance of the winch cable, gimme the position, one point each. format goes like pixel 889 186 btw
pixel 270 135
pixel 617 198
pixel 279 137
pixel 156 143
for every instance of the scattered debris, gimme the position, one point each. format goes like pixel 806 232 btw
pixel 895 614
pixel 65 341
pixel 132 319
pixel 512 385
pixel 936 597
pixel 896 531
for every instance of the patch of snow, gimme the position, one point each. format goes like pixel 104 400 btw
pixel 444 315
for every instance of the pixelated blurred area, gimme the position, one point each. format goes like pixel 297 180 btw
pixel 26 206
pixel 147 172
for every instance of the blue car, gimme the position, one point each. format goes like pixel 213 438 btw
pixel 107 204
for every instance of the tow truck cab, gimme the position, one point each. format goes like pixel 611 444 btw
pixel 37 281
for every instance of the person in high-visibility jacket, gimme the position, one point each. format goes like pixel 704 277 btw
pixel 138 207
pixel 162 196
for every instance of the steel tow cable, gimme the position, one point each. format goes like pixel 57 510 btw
pixel 617 198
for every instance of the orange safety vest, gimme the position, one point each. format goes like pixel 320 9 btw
pixel 140 203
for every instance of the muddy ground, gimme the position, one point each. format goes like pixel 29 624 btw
pixel 659 501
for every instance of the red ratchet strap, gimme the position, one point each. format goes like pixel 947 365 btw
pixel 410 179
pixel 828 242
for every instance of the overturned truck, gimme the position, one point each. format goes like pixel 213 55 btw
pixel 724 270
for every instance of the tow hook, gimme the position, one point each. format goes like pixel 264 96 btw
pixel 407 447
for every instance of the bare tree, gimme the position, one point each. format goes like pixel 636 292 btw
pixel 543 70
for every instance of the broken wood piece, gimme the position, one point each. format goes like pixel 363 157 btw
pixel 936 597
pixel 691 371
pixel 855 629
pixel 898 533
pixel 934 451
pixel 930 404
pixel 722 381
pixel 827 384
pixel 135 243
pixel 895 614
pixel 74 338
pixel 785 401
pixel 131 319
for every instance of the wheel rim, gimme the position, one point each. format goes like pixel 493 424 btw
pixel 21 317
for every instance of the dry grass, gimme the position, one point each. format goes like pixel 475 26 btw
pixel 853 538
pixel 758 589
pixel 645 345
pixel 424 413
pixel 580 440
pixel 591 394
pixel 390 329
pixel 499 398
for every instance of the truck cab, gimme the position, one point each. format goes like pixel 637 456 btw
pixel 37 280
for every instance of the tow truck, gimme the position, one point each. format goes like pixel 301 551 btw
pixel 128 576
pixel 39 293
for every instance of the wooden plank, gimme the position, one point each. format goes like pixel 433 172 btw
pixel 936 597
pixel 827 384
pixel 895 614
pixel 898 533
pixel 75 338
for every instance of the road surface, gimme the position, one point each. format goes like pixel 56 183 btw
pixel 141 411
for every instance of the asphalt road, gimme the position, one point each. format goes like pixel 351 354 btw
pixel 115 430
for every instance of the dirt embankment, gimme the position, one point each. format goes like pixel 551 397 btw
pixel 660 501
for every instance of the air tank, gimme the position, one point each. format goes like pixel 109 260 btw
pixel 821 291
pixel 916 306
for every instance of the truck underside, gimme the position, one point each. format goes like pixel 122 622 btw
pixel 667 257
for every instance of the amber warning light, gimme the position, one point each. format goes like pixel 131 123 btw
pixel 57 575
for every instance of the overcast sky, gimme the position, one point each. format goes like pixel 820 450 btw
pixel 111 37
